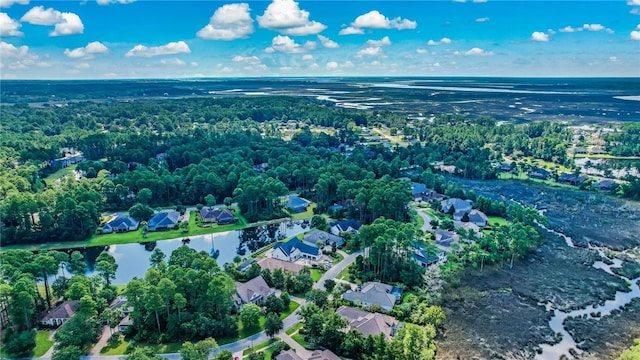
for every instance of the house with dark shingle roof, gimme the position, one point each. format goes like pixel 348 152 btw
pixel 373 293
pixel 539 173
pixel 338 227
pixel 296 204
pixel 478 218
pixel 316 236
pixel 288 355
pixel 295 249
pixel 220 216
pixel 272 264
pixel 163 221
pixel 370 323
pixel 605 184
pixel 444 239
pixel 456 204
pixel 120 224
pixel 426 256
pixel 323 355
pixel 60 314
pixel 254 291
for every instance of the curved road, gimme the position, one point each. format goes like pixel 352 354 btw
pixel 260 337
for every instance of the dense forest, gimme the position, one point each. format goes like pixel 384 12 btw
pixel 174 152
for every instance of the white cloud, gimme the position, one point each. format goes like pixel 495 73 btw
pixel 9 51
pixel 8 26
pixel 287 45
pixel 482 19
pixel 569 29
pixel 82 66
pixel 328 43
pixel 228 22
pixel 421 51
pixel 478 52
pixel 332 65
pixel 385 41
pixel 107 2
pixel 66 23
pixel 444 40
pixel 539 36
pixel 375 20
pixel 635 34
pixel 172 62
pixel 370 51
pixel 593 27
pixel 307 57
pixel 479 1
pixel 286 17
pixel 8 3
pixel 87 52
pixel 252 60
pixel 179 47
pixel 633 2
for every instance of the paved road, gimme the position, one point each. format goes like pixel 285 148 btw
pixel 335 270
pixel 427 220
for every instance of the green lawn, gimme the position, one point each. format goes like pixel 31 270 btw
pixel 316 274
pixel 337 257
pixel 115 347
pixel 299 338
pixel 246 332
pixel 195 229
pixel 258 347
pixel 60 173
pixel 418 220
pixel 496 220
pixel 344 274
pixel 304 215
pixel 294 328
pixel 43 344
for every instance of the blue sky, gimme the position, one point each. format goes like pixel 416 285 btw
pixel 97 39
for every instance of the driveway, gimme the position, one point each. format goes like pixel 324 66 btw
pixel 427 220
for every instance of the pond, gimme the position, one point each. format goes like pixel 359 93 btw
pixel 133 259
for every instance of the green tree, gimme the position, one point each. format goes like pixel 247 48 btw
pixel 329 285
pixel 319 222
pixel 144 196
pixel 210 200
pixel 318 297
pixel 157 256
pixel 77 265
pixel 67 353
pixel 18 344
pixel 106 266
pixel 143 353
pixel 274 305
pixel 140 212
pixel 199 350
pixel 250 316
pixel 273 325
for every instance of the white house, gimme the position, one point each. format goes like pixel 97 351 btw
pixel 295 249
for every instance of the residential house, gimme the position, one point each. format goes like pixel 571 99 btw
pixel 478 218
pixel 254 291
pixel 456 205
pixel 444 239
pixel 425 256
pixel 605 184
pixel 467 226
pixel 121 224
pixel 272 264
pixel 245 265
pixel 420 192
pixel 120 303
pixel 288 355
pixel 341 205
pixel 539 173
pixel 572 179
pixel 374 293
pixel 70 157
pixel 220 216
pixel 60 314
pixel 338 227
pixel 125 323
pixel 163 221
pixel 368 323
pixel 323 355
pixel 505 167
pixel 296 204
pixel 324 237
pixel 261 168
pixel 295 249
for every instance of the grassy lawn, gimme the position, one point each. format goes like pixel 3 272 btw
pixel 299 338
pixel 304 215
pixel 167 348
pixel 246 332
pixel 344 274
pixel 294 328
pixel 258 347
pixel 43 344
pixel 115 347
pixel 419 221
pixel 194 229
pixel 316 274
pixel 60 173
pixel 292 307
pixel 496 220
pixel 337 257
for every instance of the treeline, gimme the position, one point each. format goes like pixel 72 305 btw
pixel 624 143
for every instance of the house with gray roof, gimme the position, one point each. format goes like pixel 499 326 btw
pixel 338 227
pixel 164 220
pixel 220 216
pixel 295 249
pixel 254 291
pixel 288 355
pixel 324 237
pixel 323 355
pixel 456 204
pixel 60 314
pixel 373 293
pixel 444 239
pixel 121 224
pixel 467 226
pixel 370 323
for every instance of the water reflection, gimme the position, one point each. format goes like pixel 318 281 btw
pixel 133 259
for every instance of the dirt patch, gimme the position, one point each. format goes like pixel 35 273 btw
pixel 609 336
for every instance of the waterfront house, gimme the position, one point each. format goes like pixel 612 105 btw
pixel 316 236
pixel 120 224
pixel 296 204
pixel 164 220
pixel 338 227
pixel 60 314
pixel 295 249
pixel 254 291
pixel 220 216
